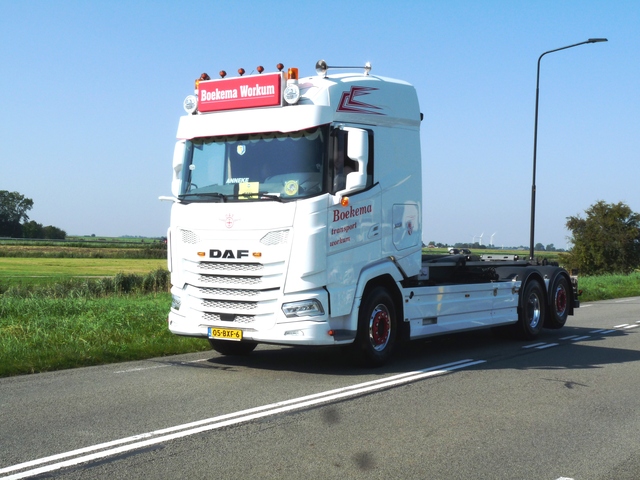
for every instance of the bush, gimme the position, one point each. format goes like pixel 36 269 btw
pixel 123 283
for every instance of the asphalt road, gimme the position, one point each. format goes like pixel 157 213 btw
pixel 465 406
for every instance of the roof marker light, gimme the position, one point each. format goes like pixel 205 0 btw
pixel 291 93
pixel 222 74
pixel 241 71
pixel 344 201
pixel 280 67
pixel 260 69
pixel 204 76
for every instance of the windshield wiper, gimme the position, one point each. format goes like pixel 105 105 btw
pixel 207 194
pixel 259 196
pixel 271 196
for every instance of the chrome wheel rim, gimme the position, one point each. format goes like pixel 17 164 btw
pixel 534 310
pixel 379 327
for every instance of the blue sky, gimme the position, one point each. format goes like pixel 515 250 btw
pixel 91 93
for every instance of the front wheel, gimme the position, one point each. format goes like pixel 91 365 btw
pixel 377 328
pixel 532 311
pixel 228 347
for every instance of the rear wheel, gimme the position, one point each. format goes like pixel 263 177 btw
pixel 532 311
pixel 377 328
pixel 227 347
pixel 559 310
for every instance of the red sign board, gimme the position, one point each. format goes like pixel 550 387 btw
pixel 243 92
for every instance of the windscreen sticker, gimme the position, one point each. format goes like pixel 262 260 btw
pixel 291 187
pixel 248 189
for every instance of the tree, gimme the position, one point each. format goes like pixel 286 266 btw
pixel 13 211
pixel 32 229
pixel 607 240
pixel 539 247
pixel 52 232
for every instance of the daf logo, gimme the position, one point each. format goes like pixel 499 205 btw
pixel 228 253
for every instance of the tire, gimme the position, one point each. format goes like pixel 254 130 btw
pixel 377 328
pixel 227 347
pixel 559 304
pixel 532 311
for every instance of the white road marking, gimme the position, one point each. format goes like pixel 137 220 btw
pixel 584 337
pixel 534 345
pixel 547 345
pixel 179 431
pixel 142 369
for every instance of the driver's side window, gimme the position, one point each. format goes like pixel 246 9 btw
pixel 339 164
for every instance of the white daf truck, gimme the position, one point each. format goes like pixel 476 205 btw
pixel 297 220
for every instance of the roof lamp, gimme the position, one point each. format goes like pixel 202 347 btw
pixel 291 93
pixel 190 104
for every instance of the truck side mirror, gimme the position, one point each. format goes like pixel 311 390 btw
pixel 358 151
pixel 178 158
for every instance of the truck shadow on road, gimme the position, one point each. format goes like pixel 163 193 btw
pixel 569 348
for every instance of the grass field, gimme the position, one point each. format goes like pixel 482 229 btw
pixel 38 271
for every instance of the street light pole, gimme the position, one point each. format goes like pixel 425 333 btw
pixel 535 138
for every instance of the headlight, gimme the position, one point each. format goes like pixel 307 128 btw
pixel 303 308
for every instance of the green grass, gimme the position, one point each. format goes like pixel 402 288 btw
pixel 40 333
pixel 606 287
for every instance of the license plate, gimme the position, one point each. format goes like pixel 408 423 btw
pixel 225 333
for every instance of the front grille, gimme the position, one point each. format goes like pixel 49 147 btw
pixel 230 267
pixel 275 238
pixel 234 293
pixel 223 280
pixel 227 305
pixel 227 292
pixel 214 317
pixel 189 237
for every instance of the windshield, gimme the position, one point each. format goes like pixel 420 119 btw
pixel 265 166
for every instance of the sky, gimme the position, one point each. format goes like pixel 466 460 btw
pixel 91 93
